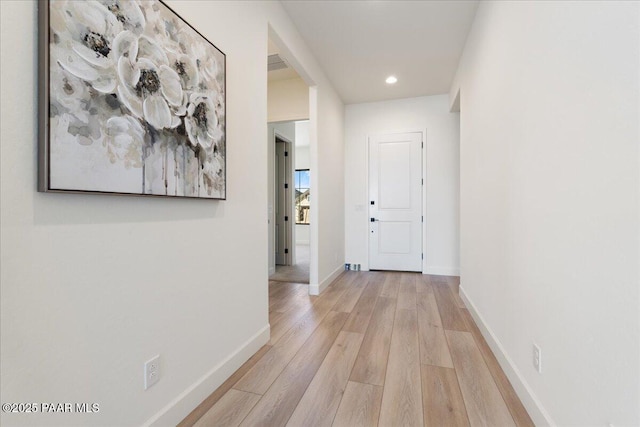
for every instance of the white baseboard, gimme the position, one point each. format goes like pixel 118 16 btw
pixel 538 414
pixel 187 401
pixel 315 289
pixel 442 271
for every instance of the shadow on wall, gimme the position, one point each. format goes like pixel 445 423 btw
pixel 62 209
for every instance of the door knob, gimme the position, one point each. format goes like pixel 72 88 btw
pixel 373 220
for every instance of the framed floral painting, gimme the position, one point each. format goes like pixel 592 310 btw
pixel 132 101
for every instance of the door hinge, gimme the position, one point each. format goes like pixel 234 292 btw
pixel 422 144
pixel 422 181
pixel 286 218
pixel 422 218
pixel 286 154
pixel 286 186
pixel 286 251
pixel 421 255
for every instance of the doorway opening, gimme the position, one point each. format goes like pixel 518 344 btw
pixel 292 197
pixel 290 192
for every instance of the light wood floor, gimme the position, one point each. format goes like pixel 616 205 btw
pixel 297 273
pixel 387 349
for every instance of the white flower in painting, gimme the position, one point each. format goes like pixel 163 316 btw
pixel 149 87
pixel 201 122
pixel 124 138
pixel 187 68
pixel 208 66
pixel 177 41
pixel 128 13
pixel 68 94
pixel 88 40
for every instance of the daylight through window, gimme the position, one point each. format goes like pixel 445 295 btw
pixel 302 196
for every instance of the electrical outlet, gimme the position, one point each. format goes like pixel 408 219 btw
pixel 151 371
pixel 537 358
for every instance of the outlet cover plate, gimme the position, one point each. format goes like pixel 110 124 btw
pixel 151 371
pixel 537 358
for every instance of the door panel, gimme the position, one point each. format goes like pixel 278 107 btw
pixel 394 238
pixel 395 191
pixel 394 176
pixel 282 194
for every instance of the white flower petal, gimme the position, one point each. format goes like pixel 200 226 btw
pixel 212 120
pixel 156 112
pixel 181 110
pixel 131 101
pixel 106 83
pixel 135 17
pixel 145 64
pixel 117 125
pixel 201 130
pixel 193 139
pixel 91 56
pixel 90 14
pixel 191 76
pixel 129 12
pixel 128 73
pixel 147 48
pixel 170 84
pixel 74 64
pixel 205 140
pixel 125 44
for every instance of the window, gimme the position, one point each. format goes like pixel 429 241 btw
pixel 302 196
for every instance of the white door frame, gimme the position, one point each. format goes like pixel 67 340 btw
pixel 424 134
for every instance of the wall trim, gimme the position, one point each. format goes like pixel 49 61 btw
pixel 316 289
pixel 272 271
pixel 182 405
pixel 442 271
pixel 533 405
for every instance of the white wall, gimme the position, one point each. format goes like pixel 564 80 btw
pixel 92 286
pixel 327 176
pixel 440 206
pixel 550 201
pixel 288 100
pixel 302 161
pixel 302 157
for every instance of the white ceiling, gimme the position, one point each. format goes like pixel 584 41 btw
pixel 360 43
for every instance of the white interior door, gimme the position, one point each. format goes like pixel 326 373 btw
pixel 395 197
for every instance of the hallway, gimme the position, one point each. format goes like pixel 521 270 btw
pixel 374 348
pixel 297 273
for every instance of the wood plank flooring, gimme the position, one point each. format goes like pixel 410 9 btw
pixel 374 349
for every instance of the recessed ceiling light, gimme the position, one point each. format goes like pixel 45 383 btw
pixel 391 80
